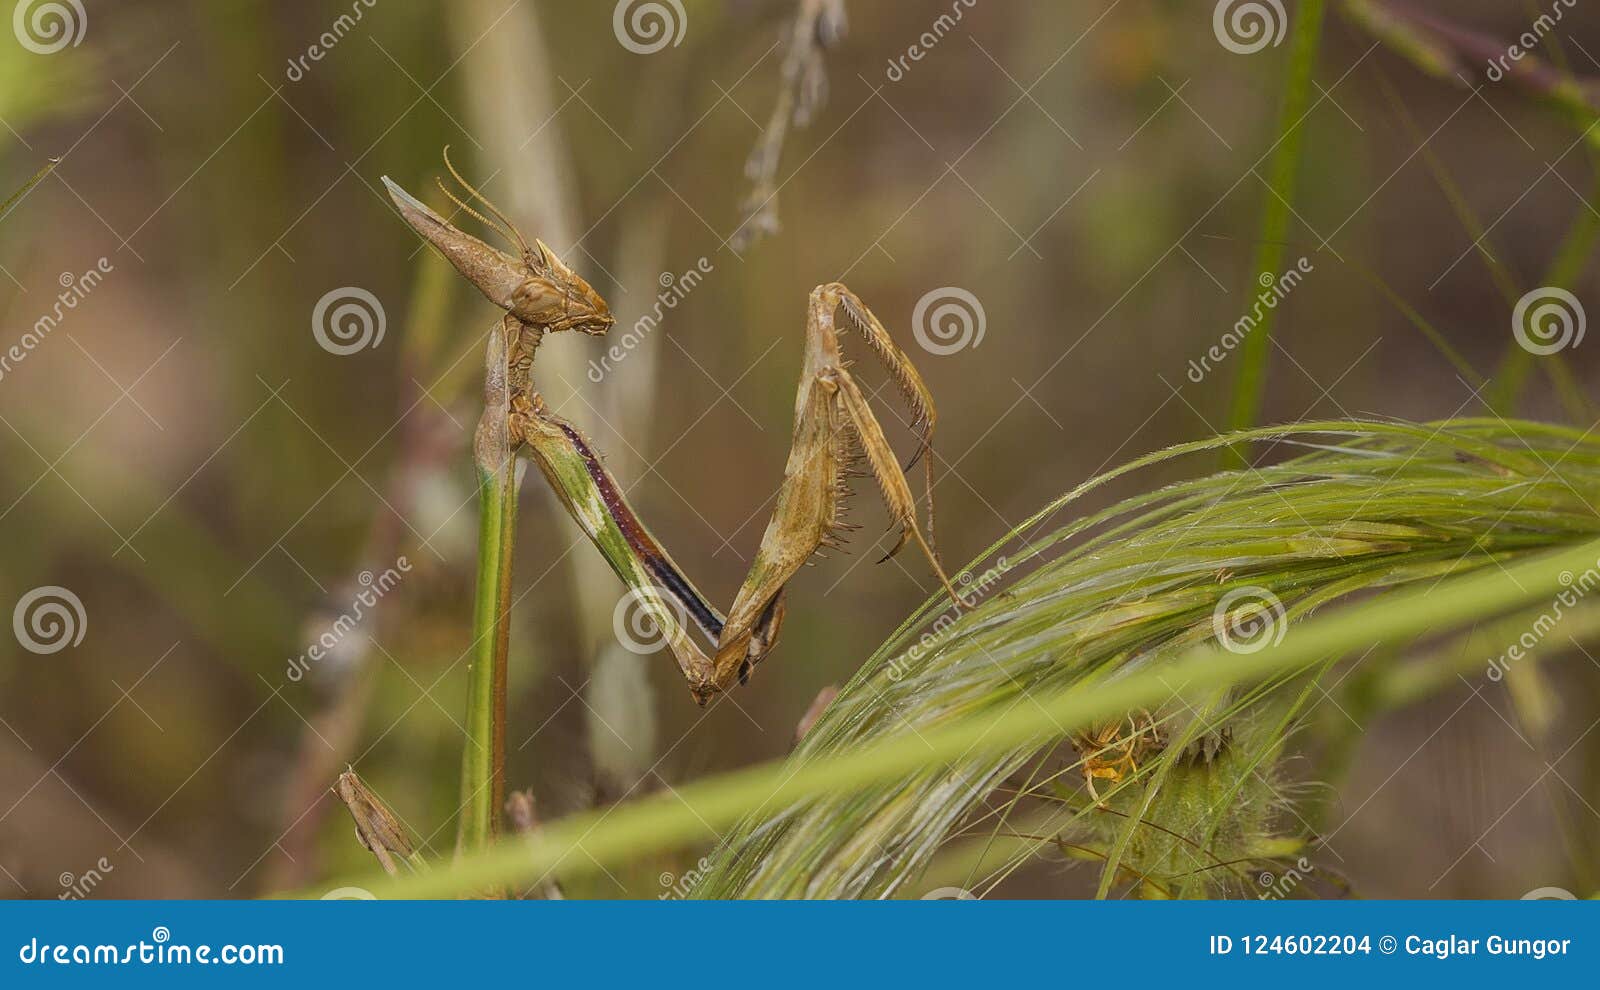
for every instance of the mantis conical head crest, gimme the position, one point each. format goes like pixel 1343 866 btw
pixel 537 287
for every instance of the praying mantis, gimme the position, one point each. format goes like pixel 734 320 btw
pixel 835 432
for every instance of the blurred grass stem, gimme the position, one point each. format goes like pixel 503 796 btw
pixel 38 177
pixel 1251 383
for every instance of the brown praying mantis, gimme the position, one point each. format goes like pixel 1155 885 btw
pixel 835 432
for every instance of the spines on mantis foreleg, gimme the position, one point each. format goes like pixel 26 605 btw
pixel 924 417
pixel 901 370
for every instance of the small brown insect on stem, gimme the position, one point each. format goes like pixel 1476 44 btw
pixel 377 827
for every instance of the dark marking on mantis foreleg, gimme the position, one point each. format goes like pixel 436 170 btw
pixel 644 545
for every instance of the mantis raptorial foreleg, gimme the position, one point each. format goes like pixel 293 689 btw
pixel 835 431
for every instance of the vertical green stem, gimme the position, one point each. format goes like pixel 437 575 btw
pixel 483 759
pixel 1251 383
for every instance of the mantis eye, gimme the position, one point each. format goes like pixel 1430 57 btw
pixel 535 299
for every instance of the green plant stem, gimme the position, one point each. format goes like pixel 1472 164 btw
pixel 483 759
pixel 697 810
pixel 1251 382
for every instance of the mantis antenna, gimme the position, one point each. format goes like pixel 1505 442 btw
pixel 507 229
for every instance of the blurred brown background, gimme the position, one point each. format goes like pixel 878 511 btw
pixel 210 482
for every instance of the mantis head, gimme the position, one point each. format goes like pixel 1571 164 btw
pixel 534 285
